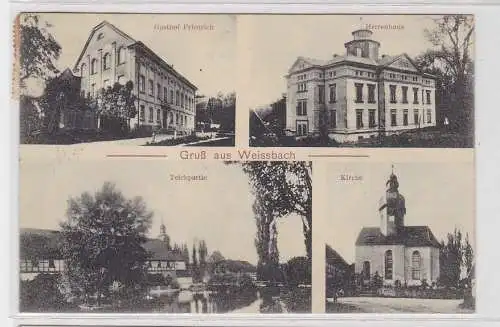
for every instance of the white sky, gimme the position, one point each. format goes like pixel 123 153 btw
pixel 218 210
pixel 201 56
pixel 276 41
pixel 439 195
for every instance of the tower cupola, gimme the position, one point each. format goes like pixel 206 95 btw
pixel 392 208
pixel 362 45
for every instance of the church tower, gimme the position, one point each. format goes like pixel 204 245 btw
pixel 362 45
pixel 392 208
pixel 163 235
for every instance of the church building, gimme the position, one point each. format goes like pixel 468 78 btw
pixel 359 94
pixel 399 254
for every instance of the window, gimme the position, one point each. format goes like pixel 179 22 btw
pixel 170 118
pixel 142 113
pixel 393 117
pixel 52 264
pixel 321 94
pixel 359 118
pixel 142 83
pixel 415 265
pixel 177 118
pixel 405 117
pixel 405 93
pixel 151 88
pixel 388 264
pixel 106 61
pixel 371 93
pixel 366 270
pixel 83 70
pixel 172 96
pixel 121 55
pixel 371 118
pixel 359 92
pixel 158 91
pixel 182 120
pixel 428 94
pixel 165 94
pixel 121 80
pixel 302 87
pixel 415 117
pixel 177 100
pixel 93 66
pixel 429 116
pixel 150 115
pixel 158 115
pixel 302 108
pixel 333 119
pixel 185 101
pixel 92 90
pixel 415 95
pixel 392 89
pixel 301 128
pixel 333 93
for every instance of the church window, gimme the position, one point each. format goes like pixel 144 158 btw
pixel 388 264
pixel 366 270
pixel 416 263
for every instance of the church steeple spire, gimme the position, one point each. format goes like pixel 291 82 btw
pixel 163 234
pixel 392 207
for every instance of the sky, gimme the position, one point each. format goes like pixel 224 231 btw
pixel 439 195
pixel 276 41
pixel 200 56
pixel 218 210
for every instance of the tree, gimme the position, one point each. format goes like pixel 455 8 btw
pixel 283 188
pixel 451 259
pixel 39 49
pixel 452 38
pixel 103 237
pixel 194 264
pixel 468 253
pixel 298 271
pixel 115 107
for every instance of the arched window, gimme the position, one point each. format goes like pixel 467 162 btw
pixel 388 264
pixel 93 66
pixel 121 55
pixel 366 270
pixel 106 64
pixel 416 262
pixel 83 70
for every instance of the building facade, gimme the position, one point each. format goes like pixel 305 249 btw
pixel 399 254
pixel 41 253
pixel 165 98
pixel 359 94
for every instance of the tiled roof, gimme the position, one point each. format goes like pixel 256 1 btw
pixel 333 257
pixel 47 244
pixel 409 236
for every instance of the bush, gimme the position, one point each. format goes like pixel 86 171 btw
pixel 42 294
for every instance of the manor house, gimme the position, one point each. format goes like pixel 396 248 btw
pixel 359 94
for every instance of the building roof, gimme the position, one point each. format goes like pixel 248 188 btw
pixel 333 257
pixel 44 243
pixel 411 236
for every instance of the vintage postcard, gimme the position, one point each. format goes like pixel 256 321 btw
pixel 131 79
pixel 362 81
pixel 148 235
pixel 401 237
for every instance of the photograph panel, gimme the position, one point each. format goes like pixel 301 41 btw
pixel 362 81
pixel 180 237
pixel 402 238
pixel 126 79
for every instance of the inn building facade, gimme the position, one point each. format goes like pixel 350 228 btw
pixel 165 98
pixel 359 94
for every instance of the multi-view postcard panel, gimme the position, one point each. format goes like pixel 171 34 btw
pixel 111 242
pixel 159 226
